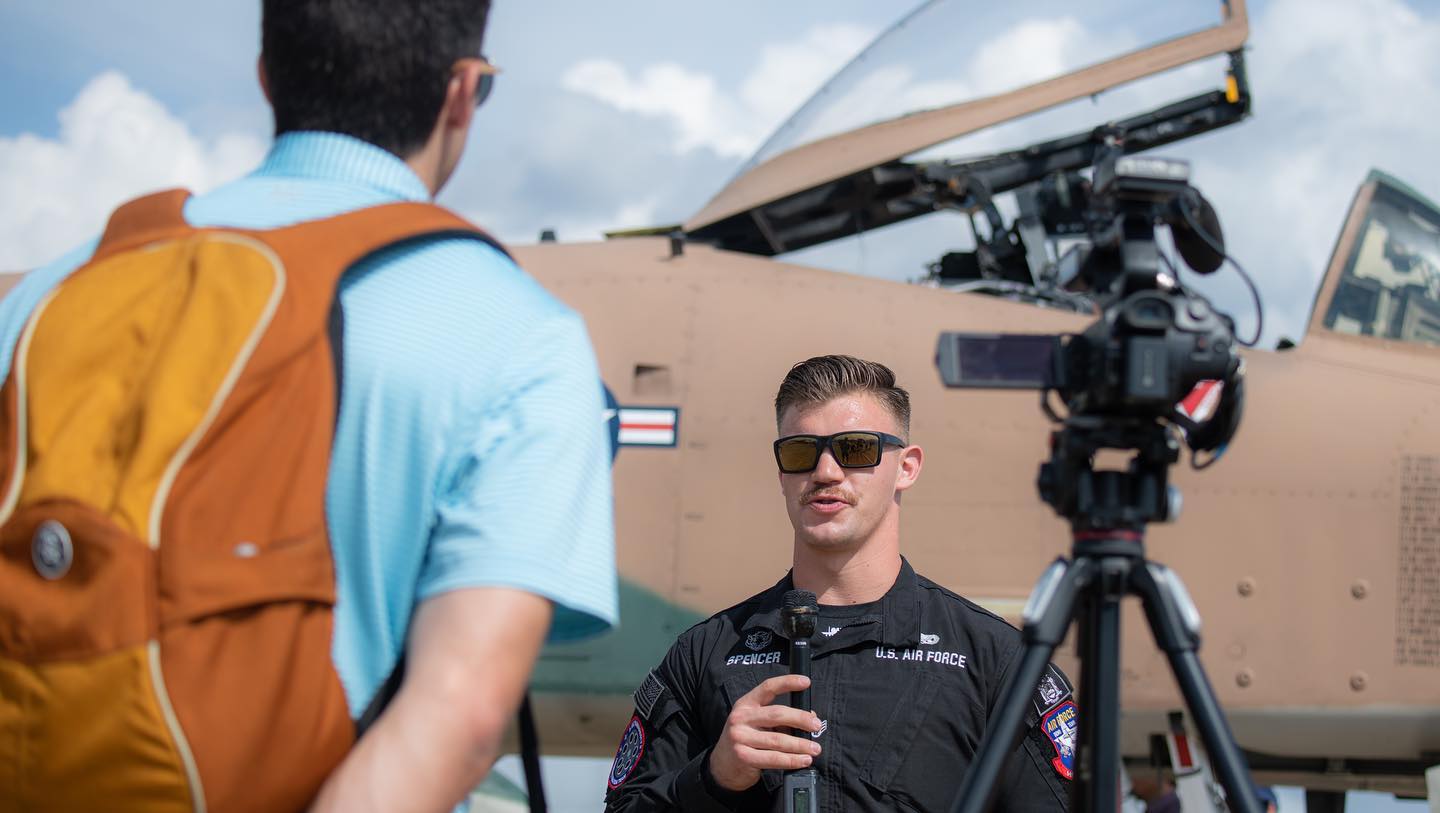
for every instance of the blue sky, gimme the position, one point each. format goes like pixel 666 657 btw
pixel 633 112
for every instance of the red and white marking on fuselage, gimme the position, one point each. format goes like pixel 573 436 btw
pixel 648 427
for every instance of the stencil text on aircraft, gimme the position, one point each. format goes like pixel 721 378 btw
pixel 1417 611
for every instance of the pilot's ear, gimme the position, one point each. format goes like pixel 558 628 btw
pixel 911 460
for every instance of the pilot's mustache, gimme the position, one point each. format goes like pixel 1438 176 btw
pixel 827 494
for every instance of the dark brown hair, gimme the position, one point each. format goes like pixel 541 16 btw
pixel 373 69
pixel 815 381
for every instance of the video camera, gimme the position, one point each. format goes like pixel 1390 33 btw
pixel 1124 377
pixel 1154 341
pixel 1129 381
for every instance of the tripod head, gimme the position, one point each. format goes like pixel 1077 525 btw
pixel 1111 500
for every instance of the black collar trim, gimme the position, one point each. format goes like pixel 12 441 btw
pixel 896 623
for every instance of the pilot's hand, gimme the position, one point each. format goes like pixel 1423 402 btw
pixel 756 736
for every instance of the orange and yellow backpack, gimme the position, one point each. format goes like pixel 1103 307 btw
pixel 166 584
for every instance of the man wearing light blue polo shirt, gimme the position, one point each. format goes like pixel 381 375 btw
pixel 469 501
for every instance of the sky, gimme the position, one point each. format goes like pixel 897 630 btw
pixel 635 112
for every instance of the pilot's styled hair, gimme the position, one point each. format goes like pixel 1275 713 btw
pixel 373 69
pixel 815 381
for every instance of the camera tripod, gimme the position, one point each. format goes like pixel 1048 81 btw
pixel 1108 511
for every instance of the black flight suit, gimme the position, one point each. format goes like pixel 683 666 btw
pixel 903 686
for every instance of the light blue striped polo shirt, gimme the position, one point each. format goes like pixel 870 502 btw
pixel 471 449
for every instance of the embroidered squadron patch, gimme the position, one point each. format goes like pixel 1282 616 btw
pixel 1050 692
pixel 758 640
pixel 1060 725
pixel 627 756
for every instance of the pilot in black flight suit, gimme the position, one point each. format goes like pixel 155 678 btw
pixel 901 718
pixel 904 671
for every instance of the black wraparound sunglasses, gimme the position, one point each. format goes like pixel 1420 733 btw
pixel 797 454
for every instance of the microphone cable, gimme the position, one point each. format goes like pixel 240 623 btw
pixel 1250 283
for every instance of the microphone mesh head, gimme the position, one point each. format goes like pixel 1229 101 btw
pixel 1198 252
pixel 797 599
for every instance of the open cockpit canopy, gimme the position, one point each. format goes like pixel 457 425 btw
pixel 1009 94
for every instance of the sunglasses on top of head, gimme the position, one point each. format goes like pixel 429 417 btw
pixel 798 454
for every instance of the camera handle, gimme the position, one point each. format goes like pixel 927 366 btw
pixel 1107 564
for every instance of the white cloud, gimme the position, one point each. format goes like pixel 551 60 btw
pixel 1050 48
pixel 875 96
pixel 790 72
pixel 705 116
pixel 702 116
pixel 114 143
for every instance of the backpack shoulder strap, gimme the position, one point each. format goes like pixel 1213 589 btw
pixel 326 248
pixel 318 252
pixel 144 220
pixel 332 244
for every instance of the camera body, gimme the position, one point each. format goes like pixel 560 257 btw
pixel 1145 354
pixel 1153 341
pixel 1123 377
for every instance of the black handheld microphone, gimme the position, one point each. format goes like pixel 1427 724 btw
pixel 798 616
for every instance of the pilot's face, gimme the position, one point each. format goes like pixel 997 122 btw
pixel 841 508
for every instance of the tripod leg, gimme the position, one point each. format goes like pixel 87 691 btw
pixel 1176 624
pixel 1047 617
pixel 1097 757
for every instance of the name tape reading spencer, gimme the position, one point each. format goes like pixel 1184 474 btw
pixel 755 659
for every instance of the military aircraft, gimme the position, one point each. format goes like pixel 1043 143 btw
pixel 1312 549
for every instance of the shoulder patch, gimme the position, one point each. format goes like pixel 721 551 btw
pixel 1061 726
pixel 1052 690
pixel 627 756
pixel 648 695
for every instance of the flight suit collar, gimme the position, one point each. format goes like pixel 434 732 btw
pixel 895 621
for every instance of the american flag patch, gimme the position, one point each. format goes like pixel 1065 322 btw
pixel 649 426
